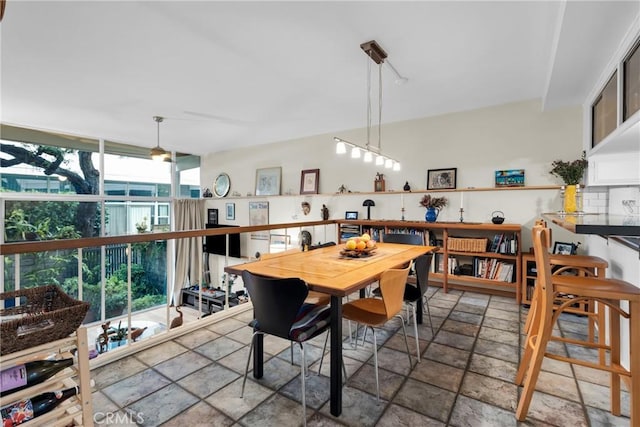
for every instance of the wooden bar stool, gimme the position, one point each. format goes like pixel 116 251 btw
pixel 542 317
pixel 583 266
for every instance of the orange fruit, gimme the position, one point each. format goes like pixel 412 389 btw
pixel 371 243
pixel 360 245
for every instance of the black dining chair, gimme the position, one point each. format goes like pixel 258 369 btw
pixel 279 310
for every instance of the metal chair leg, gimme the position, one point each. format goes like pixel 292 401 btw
pixel 425 304
pixel 406 342
pixel 415 331
pixel 324 349
pixel 246 368
pixel 375 360
pixel 302 377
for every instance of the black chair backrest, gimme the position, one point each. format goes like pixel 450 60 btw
pixel 321 245
pixel 276 302
pixel 405 239
pixel 422 265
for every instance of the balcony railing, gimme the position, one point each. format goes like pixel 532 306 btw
pixel 117 258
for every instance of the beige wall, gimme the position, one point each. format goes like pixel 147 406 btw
pixel 478 142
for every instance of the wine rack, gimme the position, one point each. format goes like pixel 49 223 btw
pixel 76 411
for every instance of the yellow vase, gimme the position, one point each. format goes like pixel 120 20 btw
pixel 570 199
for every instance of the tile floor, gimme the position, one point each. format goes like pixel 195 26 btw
pixel 465 377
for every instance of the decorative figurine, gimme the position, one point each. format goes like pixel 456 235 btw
pixel 325 212
pixel 379 182
pixel 207 193
pixel 177 321
pixel 406 187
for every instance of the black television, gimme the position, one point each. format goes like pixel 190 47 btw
pixel 217 244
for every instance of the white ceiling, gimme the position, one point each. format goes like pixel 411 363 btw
pixel 231 74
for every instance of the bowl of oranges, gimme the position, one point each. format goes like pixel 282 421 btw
pixel 357 247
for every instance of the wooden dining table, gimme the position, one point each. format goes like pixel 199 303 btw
pixel 327 270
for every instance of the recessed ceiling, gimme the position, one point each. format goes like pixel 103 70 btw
pixel 232 74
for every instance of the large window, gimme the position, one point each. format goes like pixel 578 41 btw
pixel 51 190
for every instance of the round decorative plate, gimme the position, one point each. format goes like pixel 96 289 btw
pixel 221 185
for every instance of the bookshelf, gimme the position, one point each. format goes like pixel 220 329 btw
pixel 482 257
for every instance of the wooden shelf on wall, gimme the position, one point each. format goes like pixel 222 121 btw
pixel 421 191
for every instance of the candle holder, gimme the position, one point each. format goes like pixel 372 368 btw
pixel 562 191
pixel 579 200
pixel 461 216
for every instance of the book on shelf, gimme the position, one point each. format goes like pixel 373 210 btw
pixel 504 244
pixel 493 269
pixel 437 263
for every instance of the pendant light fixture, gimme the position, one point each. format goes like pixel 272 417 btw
pixel 377 55
pixel 157 152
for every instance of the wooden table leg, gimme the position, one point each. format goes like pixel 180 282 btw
pixel 336 356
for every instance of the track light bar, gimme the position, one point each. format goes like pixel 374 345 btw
pixel 369 154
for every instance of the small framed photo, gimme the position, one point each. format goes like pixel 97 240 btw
pixel 309 180
pixel 212 216
pixel 442 179
pixel 351 215
pixel 562 248
pixel 268 181
pixel 279 240
pixel 510 178
pixel 231 211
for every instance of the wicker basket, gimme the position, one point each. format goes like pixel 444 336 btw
pixel 44 314
pixel 467 245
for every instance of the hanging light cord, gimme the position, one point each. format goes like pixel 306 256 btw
pixel 380 107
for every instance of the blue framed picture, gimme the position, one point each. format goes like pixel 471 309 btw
pixel 510 178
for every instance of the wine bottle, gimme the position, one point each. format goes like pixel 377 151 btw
pixel 30 373
pixel 28 409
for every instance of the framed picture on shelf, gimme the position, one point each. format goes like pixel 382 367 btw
pixel 562 248
pixel 212 216
pixel 309 180
pixel 268 181
pixel 351 215
pixel 231 211
pixel 510 178
pixel 442 179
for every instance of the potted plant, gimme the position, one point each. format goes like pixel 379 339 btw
pixel 571 174
pixel 433 205
pixel 142 225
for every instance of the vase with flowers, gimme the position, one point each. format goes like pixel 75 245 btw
pixel 571 174
pixel 433 205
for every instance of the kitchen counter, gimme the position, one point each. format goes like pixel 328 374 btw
pixel 602 224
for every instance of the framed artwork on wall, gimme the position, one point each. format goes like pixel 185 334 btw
pixel 441 179
pixel 231 211
pixel 268 181
pixel 309 180
pixel 259 215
